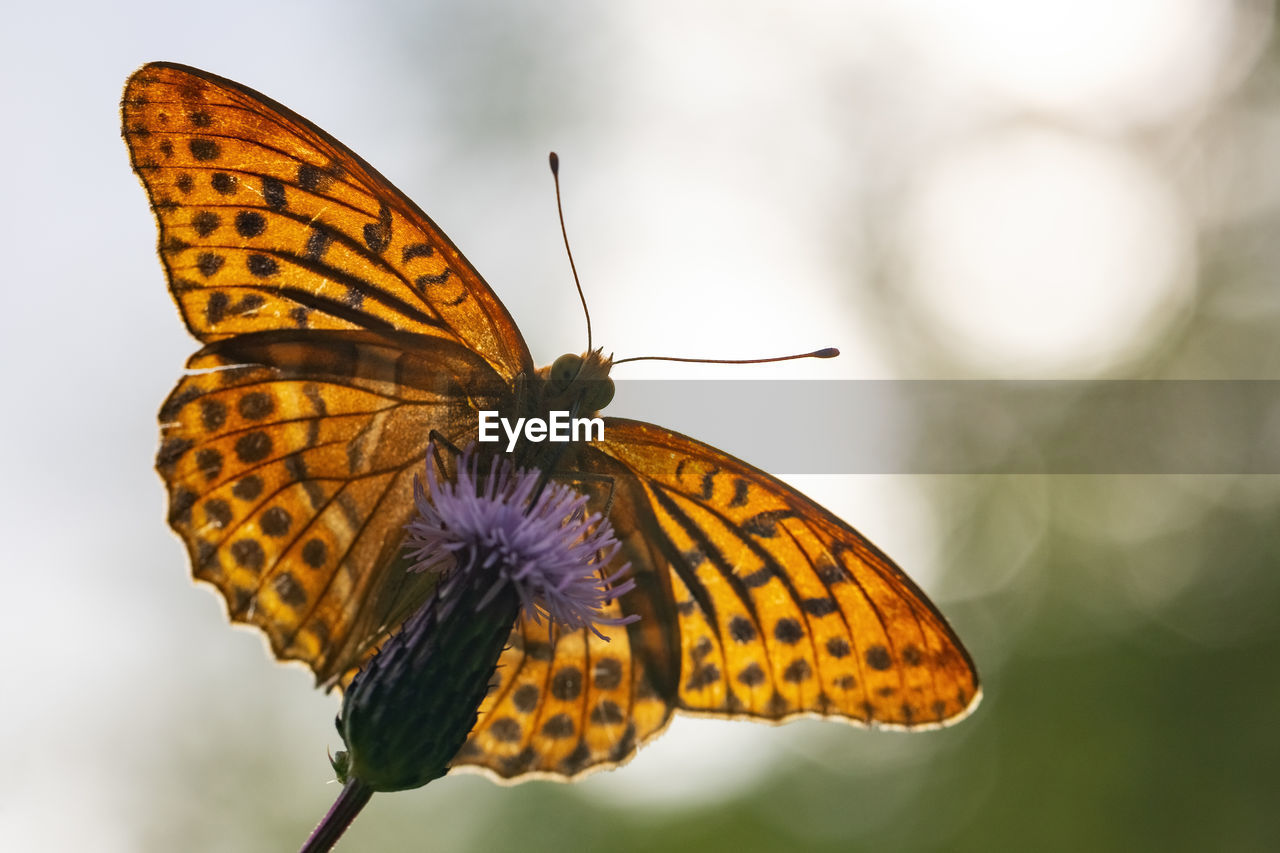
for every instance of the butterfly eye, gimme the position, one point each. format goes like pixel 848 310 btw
pixel 598 395
pixel 564 370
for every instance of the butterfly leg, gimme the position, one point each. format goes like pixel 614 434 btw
pixel 439 441
pixel 586 477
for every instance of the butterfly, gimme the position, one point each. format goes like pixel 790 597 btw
pixel 341 331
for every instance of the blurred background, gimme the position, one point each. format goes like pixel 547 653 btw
pixel 990 189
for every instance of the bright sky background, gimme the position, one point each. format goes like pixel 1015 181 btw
pixel 981 189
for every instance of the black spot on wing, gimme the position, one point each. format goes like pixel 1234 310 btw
pixel 250 223
pixel 377 235
pixel 694 556
pixel 253 447
pixel 741 629
pixel 607 713
pixel 314 178
pixel 788 631
pixel 703 676
pixel 256 405
pixel 506 730
pixel 607 673
pixel 248 303
pixel 218 512
pixel 205 222
pixel 709 484
pixel 318 242
pixel 566 684
pixel 797 671
pixel 290 591
pixel 764 524
pixel 223 184
pixel 180 506
pixel 526 698
pixel 417 250
pixel 830 572
pixel 273 192
pixel 209 461
pixel 247 488
pixel 213 414
pixel 262 266
pixel 276 521
pixel 878 658
pixel 209 263
pixel 819 606
pixel 422 282
pixel 248 554
pixel 315 553
pixel 558 727
pixel 751 675
pixel 204 150
pixel 215 309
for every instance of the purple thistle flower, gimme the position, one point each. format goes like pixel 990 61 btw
pixel 499 526
pixel 501 542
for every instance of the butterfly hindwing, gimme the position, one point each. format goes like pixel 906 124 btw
pixel 564 703
pixel 568 703
pixel 290 458
pixel 784 610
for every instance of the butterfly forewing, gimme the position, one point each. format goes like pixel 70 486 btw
pixel 755 602
pixel 267 222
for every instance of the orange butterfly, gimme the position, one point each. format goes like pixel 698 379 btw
pixel 341 330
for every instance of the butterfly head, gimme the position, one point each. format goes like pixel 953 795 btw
pixel 579 383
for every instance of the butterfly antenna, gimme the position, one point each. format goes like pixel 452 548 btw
pixel 555 174
pixel 826 352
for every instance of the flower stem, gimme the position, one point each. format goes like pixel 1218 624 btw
pixel 355 794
